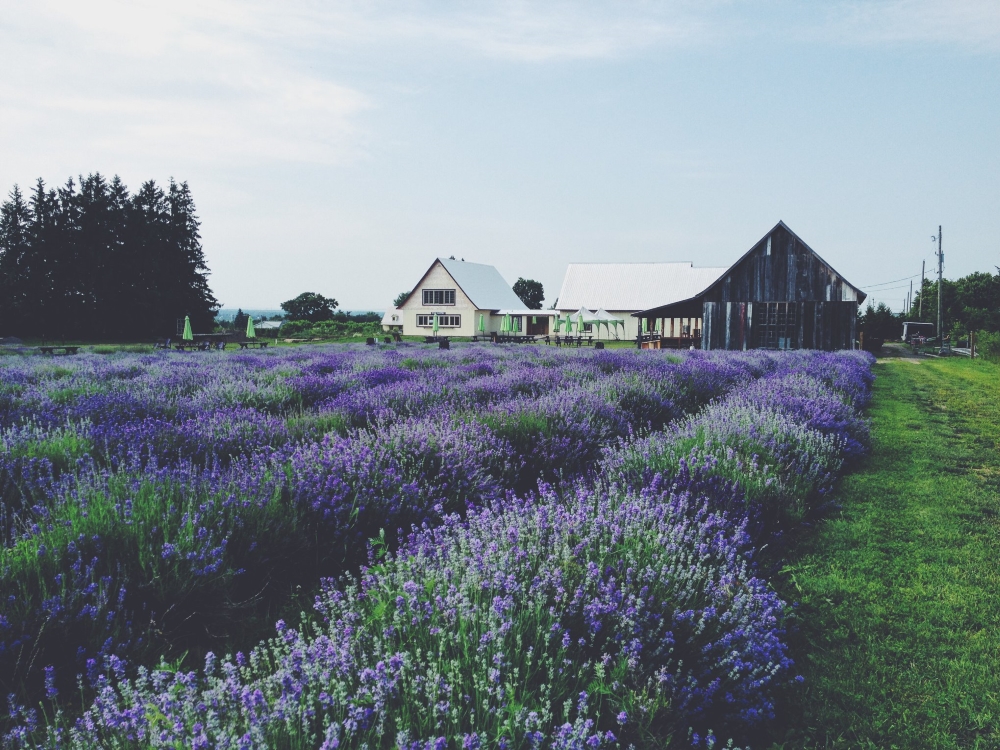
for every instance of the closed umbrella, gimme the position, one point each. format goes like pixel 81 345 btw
pixel 251 333
pixel 187 335
pixel 557 322
pixel 482 323
pixel 579 324
pixel 569 323
pixel 437 326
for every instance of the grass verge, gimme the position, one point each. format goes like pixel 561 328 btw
pixel 898 632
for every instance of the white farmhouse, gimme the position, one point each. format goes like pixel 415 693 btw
pixel 466 297
pixel 624 288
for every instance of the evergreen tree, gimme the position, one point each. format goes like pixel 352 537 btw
pixel 97 262
pixel 15 252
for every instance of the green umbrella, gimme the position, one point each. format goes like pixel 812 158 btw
pixel 569 323
pixel 482 323
pixel 437 326
pixel 579 323
pixel 557 322
pixel 187 336
pixel 251 332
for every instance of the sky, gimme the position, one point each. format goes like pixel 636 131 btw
pixel 339 147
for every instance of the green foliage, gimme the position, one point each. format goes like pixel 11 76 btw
pixel 97 262
pixel 331 329
pixel 988 346
pixel 897 622
pixel 530 292
pixel 970 303
pixel 400 299
pixel 310 306
pixel 880 322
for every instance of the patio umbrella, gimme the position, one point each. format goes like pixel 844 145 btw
pixel 437 326
pixel 569 323
pixel 579 323
pixel 187 335
pixel 482 323
pixel 557 322
pixel 251 332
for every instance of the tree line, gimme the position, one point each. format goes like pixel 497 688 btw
pixel 91 260
pixel 970 303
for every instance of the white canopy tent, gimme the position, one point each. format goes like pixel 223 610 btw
pixel 609 321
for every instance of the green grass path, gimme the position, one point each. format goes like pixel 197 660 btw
pixel 899 636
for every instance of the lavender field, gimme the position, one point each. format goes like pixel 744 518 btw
pixel 404 548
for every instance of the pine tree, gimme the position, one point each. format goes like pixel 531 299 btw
pixel 97 262
pixel 15 301
pixel 191 270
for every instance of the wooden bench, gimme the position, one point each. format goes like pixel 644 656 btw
pixel 253 344
pixel 64 349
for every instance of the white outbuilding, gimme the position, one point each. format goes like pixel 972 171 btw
pixel 620 289
pixel 468 299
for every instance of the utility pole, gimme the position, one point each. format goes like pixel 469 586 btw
pixel 940 325
pixel 923 267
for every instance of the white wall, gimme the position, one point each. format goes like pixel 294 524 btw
pixel 438 278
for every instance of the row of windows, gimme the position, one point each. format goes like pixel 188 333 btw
pixel 439 296
pixel 444 321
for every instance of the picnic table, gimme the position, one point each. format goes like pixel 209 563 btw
pixel 577 341
pixel 252 344
pixel 52 349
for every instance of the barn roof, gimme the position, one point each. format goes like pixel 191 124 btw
pixel 631 286
pixel 683 306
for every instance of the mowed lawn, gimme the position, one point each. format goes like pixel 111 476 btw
pixel 899 624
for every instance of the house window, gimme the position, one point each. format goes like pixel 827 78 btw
pixel 588 327
pixel 776 325
pixel 439 296
pixel 444 321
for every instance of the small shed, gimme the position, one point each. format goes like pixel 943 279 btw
pixel 780 295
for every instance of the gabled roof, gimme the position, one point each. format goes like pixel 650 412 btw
pixel 631 286
pixel 481 283
pixel 658 309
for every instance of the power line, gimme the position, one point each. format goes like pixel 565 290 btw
pixel 883 283
pixel 890 288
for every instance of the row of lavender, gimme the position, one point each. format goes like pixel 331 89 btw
pixel 155 505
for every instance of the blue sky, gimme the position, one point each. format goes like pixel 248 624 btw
pixel 340 147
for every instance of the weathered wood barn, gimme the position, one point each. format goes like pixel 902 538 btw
pixel 779 295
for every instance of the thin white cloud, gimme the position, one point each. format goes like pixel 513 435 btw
pixel 126 79
pixel 971 24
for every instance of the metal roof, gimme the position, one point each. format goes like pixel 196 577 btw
pixel 631 286
pixel 483 285
pixel 525 311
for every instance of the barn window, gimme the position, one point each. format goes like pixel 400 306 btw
pixel 776 325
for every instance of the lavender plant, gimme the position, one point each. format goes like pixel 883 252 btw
pixel 154 505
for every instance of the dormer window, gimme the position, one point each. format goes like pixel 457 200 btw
pixel 438 297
